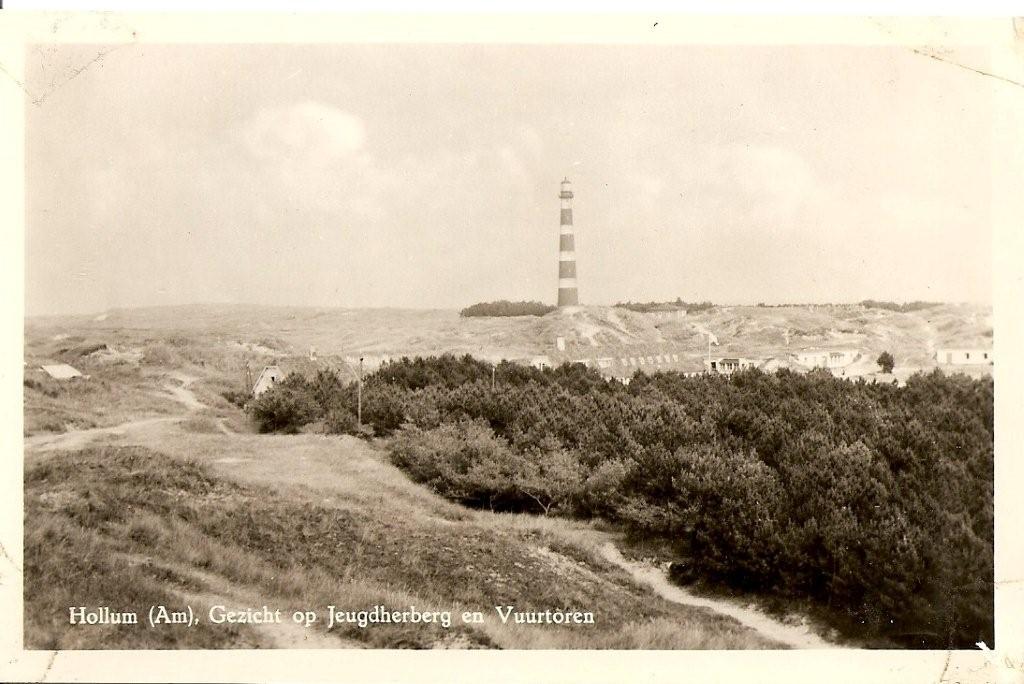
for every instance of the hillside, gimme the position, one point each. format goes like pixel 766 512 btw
pixel 589 332
pixel 174 513
pixel 128 352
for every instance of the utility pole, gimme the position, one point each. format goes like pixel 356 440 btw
pixel 493 367
pixel 359 395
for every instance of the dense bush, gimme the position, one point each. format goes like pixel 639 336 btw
pixel 886 362
pixel 873 499
pixel 803 485
pixel 237 397
pixel 677 305
pixel 506 308
pixel 286 407
pixel 45 385
pixel 905 307
pixel 467 462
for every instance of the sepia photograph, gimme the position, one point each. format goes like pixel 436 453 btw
pixel 561 345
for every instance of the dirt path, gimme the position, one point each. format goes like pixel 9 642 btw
pixel 79 439
pixel 795 636
pixel 183 394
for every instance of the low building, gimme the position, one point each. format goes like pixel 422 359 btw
pixel 541 362
pixel 61 371
pixel 729 365
pixel 825 358
pixel 666 313
pixel 773 363
pixel 964 357
pixel 270 376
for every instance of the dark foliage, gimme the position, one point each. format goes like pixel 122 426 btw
pixel 507 308
pixel 886 362
pixel 677 305
pixel 237 397
pixel 286 407
pixel 905 307
pixel 873 499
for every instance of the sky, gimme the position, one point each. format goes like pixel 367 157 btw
pixel 427 176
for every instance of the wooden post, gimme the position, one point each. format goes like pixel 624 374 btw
pixel 359 395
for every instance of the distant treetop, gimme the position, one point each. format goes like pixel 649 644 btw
pixel 506 308
pixel 902 308
pixel 677 305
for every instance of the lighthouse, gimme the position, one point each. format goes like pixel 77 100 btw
pixel 567 293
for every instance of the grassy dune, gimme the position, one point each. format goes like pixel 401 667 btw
pixel 306 522
pixel 213 331
pixel 132 355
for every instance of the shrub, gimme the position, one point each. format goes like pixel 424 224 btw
pixel 463 461
pixel 677 305
pixel 506 308
pixel 383 407
pixel 47 386
pixel 285 407
pixel 600 492
pixel 161 354
pixel 551 478
pixel 886 362
pixel 341 421
pixel 237 397
pixel 905 307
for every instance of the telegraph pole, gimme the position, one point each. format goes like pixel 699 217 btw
pixel 359 395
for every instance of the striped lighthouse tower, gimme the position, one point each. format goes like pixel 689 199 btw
pixel 567 293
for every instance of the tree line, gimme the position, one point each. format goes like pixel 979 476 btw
pixel 871 499
pixel 504 307
pixel 677 305
pixel 900 307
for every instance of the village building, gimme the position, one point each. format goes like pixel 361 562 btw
pixel 540 362
pixel 825 358
pixel 665 312
pixel 964 357
pixel 773 363
pixel 727 365
pixel 61 371
pixel 619 360
pixel 270 376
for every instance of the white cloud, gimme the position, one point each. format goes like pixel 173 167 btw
pixel 777 181
pixel 651 186
pixel 309 132
pixel 308 156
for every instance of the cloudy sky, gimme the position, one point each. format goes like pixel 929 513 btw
pixel 427 176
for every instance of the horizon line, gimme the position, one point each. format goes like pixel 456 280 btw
pixel 140 307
